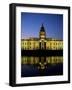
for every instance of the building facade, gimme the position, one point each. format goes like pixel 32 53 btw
pixel 41 43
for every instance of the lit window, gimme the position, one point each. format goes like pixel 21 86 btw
pixel 25 43
pixel 30 43
pixel 54 43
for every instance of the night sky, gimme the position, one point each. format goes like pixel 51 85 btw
pixel 31 23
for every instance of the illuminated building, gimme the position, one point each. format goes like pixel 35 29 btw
pixel 41 43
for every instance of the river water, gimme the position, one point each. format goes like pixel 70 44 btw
pixel 41 66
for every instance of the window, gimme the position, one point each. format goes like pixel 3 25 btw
pixel 25 43
pixel 30 43
pixel 50 44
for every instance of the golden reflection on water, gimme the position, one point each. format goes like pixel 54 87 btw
pixel 42 60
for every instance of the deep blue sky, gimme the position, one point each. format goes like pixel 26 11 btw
pixel 31 23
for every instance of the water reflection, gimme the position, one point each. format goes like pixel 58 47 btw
pixel 41 66
pixel 48 60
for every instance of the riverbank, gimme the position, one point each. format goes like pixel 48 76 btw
pixel 41 52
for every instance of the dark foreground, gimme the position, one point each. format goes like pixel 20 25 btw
pixel 34 70
pixel 41 52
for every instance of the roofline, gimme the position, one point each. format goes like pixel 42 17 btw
pixel 50 39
